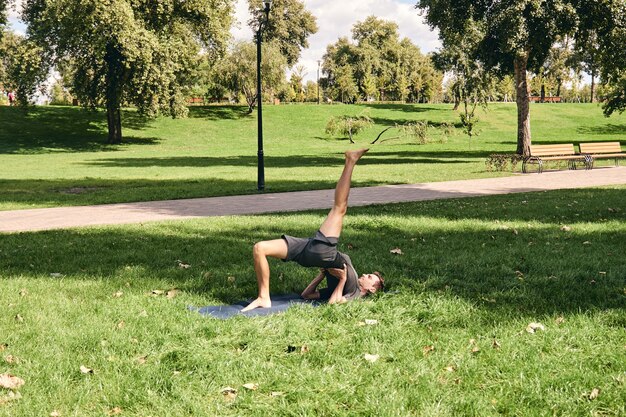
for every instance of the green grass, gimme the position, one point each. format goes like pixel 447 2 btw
pixel 479 268
pixel 55 156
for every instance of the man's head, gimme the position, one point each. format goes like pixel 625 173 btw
pixel 371 283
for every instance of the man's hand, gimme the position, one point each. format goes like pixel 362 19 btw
pixel 340 274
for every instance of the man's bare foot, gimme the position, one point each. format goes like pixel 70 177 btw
pixel 258 303
pixel 354 156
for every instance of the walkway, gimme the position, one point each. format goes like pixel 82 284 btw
pixel 64 217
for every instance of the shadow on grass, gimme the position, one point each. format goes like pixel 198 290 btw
pixel 406 108
pixel 220 112
pixel 608 129
pixel 483 262
pixel 44 129
pixel 290 161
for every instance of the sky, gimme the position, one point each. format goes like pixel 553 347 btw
pixel 335 18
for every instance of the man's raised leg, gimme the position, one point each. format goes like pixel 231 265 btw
pixel 276 249
pixel 334 221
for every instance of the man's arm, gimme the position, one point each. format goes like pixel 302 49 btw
pixel 310 292
pixel 341 275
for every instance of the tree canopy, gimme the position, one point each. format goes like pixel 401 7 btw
pixel 138 52
pixel 516 36
pixel 378 65
pixel 290 24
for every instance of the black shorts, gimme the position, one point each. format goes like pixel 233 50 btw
pixel 319 251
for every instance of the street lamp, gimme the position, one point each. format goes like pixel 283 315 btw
pixel 318 81
pixel 267 5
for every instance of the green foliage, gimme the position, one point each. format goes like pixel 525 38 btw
pixel 236 72
pixel 499 162
pixel 289 26
pixel 378 66
pixel 134 52
pixel 59 95
pixel 22 66
pixel 348 125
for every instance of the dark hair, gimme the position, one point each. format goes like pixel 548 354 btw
pixel 381 280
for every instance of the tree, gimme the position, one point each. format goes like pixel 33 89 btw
pixel 348 125
pixel 515 36
pixel 21 66
pixel 289 25
pixel 237 71
pixel 136 52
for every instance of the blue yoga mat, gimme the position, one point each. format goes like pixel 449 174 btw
pixel 279 304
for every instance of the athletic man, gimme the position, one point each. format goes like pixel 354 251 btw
pixel 321 252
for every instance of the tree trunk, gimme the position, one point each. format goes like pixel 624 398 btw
pixel 543 93
pixel 523 111
pixel 114 119
pixel 113 79
pixel 593 85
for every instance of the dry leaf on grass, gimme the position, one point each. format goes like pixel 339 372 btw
pixel 495 344
pixel 19 318
pixel 304 349
pixel 55 413
pixel 156 292
pixel 142 359
pixel 183 265
pixel 118 294
pixel 115 411
pixel 251 386
pixel 450 368
pixel 475 349
pixel 396 251
pixel 172 293
pixel 8 381
pixel 11 359
pixel 371 358
pixel 276 394
pixel 594 394
pixel 11 396
pixel 533 327
pixel 86 370
pixel 368 322
pixel 23 292
pixel 3 346
pixel 229 393
pixel 559 320
pixel 427 349
pixel 566 228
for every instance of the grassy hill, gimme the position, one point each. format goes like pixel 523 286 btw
pixel 55 156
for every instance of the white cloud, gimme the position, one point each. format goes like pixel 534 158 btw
pixel 336 18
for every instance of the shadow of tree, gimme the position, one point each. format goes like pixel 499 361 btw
pixel 43 129
pixel 608 129
pixel 220 112
pixel 486 263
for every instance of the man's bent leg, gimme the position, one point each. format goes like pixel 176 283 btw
pixel 334 221
pixel 275 248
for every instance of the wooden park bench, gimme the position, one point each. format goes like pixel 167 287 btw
pixel 602 150
pixel 561 152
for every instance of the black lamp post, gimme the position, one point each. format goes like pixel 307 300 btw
pixel 267 5
pixel 318 81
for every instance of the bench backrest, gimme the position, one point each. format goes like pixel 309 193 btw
pixel 600 147
pixel 552 150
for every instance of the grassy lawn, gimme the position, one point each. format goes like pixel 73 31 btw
pixel 55 156
pixel 451 336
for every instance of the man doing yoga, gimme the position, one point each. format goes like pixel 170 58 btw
pixel 321 252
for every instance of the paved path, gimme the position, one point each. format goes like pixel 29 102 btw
pixel 64 217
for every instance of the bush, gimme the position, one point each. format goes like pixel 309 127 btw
pixel 500 162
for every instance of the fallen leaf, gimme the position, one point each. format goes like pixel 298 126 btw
pixel 142 359
pixel 121 324
pixel 251 386
pixel 533 327
pixel 495 344
pixel 231 279
pixel 450 368
pixel 276 394
pixel 586 242
pixel 156 292
pixel 172 293
pixel 475 349
pixel 515 232
pixel 3 346
pixel 143 313
pixel 85 370
pixel 183 265
pixel 56 275
pixel 566 228
pixel 23 292
pixel 118 294
pixel 350 246
pixel 603 273
pixel 427 349
pixel 472 342
pixel 371 322
pixel 11 359
pixel 519 274
pixel 304 349
pixel 371 358
pixel 559 320
pixel 594 393
pixel 397 251
pixel 115 411
pixel 19 318
pixel 11 382
pixel 229 393
pixel 55 413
